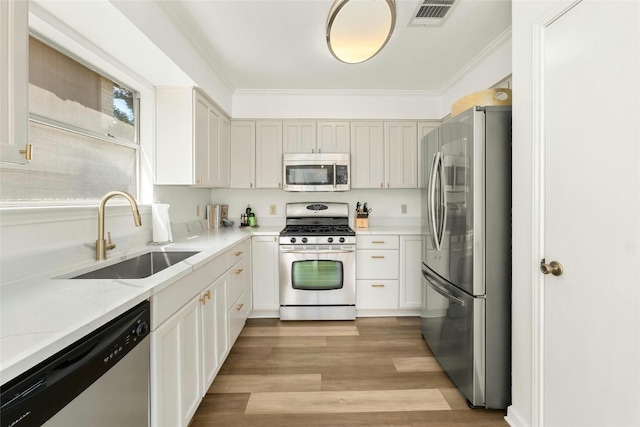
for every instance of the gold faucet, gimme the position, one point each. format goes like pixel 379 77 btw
pixel 102 246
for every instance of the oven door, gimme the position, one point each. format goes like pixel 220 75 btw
pixel 320 275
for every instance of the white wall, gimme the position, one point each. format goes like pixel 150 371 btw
pixel 386 204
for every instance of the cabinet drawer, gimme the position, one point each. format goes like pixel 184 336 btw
pixel 238 252
pixel 238 314
pixel 237 281
pixel 376 265
pixel 377 242
pixel 380 294
pixel 168 301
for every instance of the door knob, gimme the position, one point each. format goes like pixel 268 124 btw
pixel 554 267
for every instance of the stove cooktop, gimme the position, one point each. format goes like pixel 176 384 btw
pixel 318 230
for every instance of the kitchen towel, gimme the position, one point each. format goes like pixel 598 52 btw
pixel 161 223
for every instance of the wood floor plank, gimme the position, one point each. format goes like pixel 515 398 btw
pixel 416 364
pixel 300 331
pixel 379 380
pixel 272 355
pixel 293 341
pixel 266 383
pixel 346 401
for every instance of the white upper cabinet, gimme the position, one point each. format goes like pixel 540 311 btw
pixel 424 128
pixel 192 144
pixel 268 154
pixel 333 137
pixel 367 154
pixel 299 136
pixel 242 173
pixel 14 80
pixel 315 136
pixel 401 154
pixel 384 154
pixel 256 154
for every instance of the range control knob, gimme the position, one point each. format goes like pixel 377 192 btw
pixel 292 240
pixel 304 240
pixel 330 240
pixel 342 240
pixel 142 329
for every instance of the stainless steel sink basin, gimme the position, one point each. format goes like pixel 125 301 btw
pixel 139 267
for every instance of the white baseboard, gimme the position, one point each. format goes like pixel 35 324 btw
pixel 514 419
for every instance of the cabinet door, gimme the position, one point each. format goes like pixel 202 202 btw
pixel 201 142
pixel 401 155
pixel 223 153
pixel 268 154
pixel 242 153
pixel 299 137
pixel 175 367
pixel 333 137
pixel 14 75
pixel 210 360
pixel 424 128
pixel 266 297
pixel 410 271
pixel 367 155
pixel 222 326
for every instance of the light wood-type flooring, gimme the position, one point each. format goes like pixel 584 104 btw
pixel 368 372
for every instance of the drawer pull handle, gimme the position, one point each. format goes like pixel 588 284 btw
pixel 239 307
pixel 378 241
pixel 377 256
pixel 205 296
pixel 239 271
pixel 238 253
pixel 377 285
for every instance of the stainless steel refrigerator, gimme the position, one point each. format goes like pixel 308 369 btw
pixel 466 257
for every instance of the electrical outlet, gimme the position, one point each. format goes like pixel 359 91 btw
pixel 403 209
pixel 273 209
pixel 198 210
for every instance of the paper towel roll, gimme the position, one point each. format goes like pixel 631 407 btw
pixel 161 223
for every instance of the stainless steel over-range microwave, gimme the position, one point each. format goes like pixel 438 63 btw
pixel 316 172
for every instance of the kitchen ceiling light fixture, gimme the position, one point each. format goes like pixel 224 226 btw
pixel 358 29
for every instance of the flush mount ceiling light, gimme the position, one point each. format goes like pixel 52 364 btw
pixel 358 29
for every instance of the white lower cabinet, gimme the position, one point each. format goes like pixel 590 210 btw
pixel 264 266
pixel 175 367
pixel 388 275
pixel 410 272
pixel 190 340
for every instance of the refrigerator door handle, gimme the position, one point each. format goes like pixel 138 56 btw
pixel 443 291
pixel 443 204
pixel 432 192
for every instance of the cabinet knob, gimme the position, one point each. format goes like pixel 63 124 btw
pixel 238 253
pixel 239 307
pixel 239 271
pixel 377 285
pixel 554 267
pixel 377 256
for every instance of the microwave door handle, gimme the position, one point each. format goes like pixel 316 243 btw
pixel 335 176
pixel 443 195
pixel 431 193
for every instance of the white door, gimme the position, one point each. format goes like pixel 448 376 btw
pixel 591 193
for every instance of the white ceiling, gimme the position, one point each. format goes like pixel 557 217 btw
pixel 280 44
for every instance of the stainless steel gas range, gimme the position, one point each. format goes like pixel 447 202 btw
pixel 317 263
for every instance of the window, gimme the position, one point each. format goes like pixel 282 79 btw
pixel 84 132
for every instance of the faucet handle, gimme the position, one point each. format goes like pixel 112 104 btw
pixel 110 245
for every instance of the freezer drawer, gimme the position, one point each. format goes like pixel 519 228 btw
pixel 453 327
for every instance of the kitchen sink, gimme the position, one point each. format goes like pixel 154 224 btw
pixel 138 267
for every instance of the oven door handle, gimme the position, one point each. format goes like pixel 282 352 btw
pixel 319 251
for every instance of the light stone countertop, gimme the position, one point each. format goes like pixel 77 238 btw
pixel 42 315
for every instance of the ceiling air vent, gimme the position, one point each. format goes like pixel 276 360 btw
pixel 432 13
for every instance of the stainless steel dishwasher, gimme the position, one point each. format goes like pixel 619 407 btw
pixel 101 380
